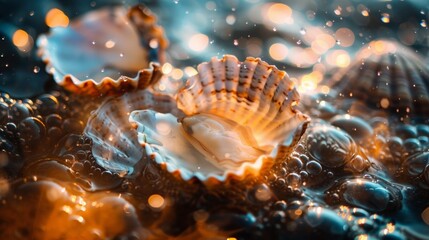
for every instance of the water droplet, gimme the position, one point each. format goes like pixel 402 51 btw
pixel 235 42
pixel 36 69
pixel 423 23
pixel 274 29
pixel 330 146
pixel 303 31
pixel 313 168
pixel 385 17
pixel 263 193
pixel 299 42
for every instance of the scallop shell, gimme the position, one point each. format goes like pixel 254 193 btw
pixel 115 145
pixel 240 118
pixel 105 51
pixel 388 76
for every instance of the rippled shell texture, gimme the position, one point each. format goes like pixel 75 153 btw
pixel 105 51
pixel 388 76
pixel 115 145
pixel 239 118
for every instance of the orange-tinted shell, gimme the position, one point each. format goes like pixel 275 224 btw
pixel 105 51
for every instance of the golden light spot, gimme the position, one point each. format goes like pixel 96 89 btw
pixel 20 38
pixel 167 68
pixel 156 201
pixel 278 51
pixel 384 103
pixel 162 87
pixel 56 18
pixel 325 89
pixel 342 58
pixel 67 209
pixel 190 71
pixel 362 237
pixel 308 83
pixel 385 17
pixel 198 42
pixel 109 44
pixel 280 13
pixel 177 74
pixel 231 238
pixel 153 43
pixel 365 13
pixel 390 227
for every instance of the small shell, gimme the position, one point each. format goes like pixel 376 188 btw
pixel 240 117
pixel 387 75
pixel 104 51
pixel 115 146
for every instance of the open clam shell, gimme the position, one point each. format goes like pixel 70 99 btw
pixel 240 118
pixel 115 144
pixel 105 51
pixel 388 76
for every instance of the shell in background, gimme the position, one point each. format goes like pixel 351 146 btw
pixel 115 146
pixel 105 51
pixel 229 105
pixel 389 76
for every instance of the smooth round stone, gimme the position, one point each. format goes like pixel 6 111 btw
pixel 424 141
pixel 395 145
pixel 416 164
pixel 326 110
pixel 47 104
pixel 423 130
pixel 32 128
pixel 412 145
pixel 366 194
pixel 4 109
pixel 326 220
pixel 330 146
pixel 356 127
pixel 406 131
pixel 20 111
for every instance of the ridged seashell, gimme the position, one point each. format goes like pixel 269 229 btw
pixel 387 75
pixel 115 146
pixel 105 51
pixel 240 118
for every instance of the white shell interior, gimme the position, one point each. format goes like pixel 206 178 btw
pixel 233 118
pixel 202 145
pixel 101 44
